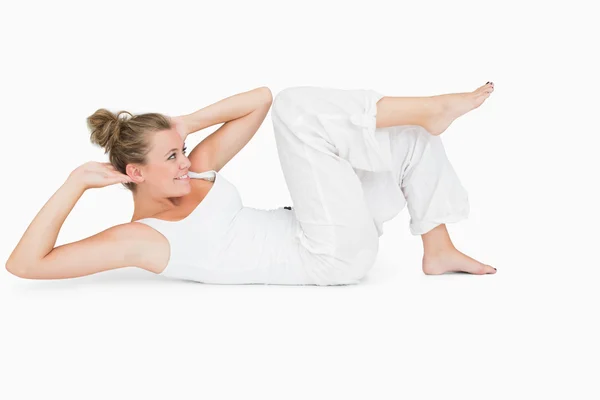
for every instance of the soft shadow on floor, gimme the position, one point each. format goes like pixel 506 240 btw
pixel 127 276
pixel 137 276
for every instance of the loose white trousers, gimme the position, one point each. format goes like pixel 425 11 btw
pixel 346 177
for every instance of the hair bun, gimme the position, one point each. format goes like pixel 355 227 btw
pixel 105 127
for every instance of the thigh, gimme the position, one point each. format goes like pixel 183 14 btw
pixel 327 195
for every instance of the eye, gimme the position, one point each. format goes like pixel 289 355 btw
pixel 184 150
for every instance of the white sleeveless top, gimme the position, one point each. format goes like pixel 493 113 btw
pixel 221 241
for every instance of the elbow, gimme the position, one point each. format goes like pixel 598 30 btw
pixel 267 93
pixel 16 270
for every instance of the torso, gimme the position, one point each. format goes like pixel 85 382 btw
pixel 155 247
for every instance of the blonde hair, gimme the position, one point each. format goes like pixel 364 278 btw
pixel 128 141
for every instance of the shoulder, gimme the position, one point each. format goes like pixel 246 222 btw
pixel 152 246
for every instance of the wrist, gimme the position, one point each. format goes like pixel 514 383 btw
pixel 198 120
pixel 74 184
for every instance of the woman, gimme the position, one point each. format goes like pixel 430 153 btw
pixel 352 159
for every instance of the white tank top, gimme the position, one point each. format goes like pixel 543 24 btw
pixel 221 241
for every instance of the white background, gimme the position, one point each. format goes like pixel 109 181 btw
pixel 527 157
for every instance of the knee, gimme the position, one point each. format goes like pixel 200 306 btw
pixel 284 108
pixel 429 142
pixel 414 143
pixel 421 136
pixel 343 272
pixel 282 96
pixel 364 261
pixel 285 97
pixel 354 258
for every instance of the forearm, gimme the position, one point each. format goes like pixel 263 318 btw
pixel 40 237
pixel 228 109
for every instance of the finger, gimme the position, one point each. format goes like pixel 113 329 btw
pixel 122 178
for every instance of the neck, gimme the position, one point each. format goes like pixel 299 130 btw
pixel 148 207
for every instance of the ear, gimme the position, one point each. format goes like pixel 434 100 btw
pixel 133 172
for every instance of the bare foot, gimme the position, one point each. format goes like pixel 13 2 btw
pixel 454 105
pixel 452 260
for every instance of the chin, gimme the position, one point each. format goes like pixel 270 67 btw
pixel 184 186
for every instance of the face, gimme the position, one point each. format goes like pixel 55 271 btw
pixel 167 161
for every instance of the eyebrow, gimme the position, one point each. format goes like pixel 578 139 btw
pixel 173 150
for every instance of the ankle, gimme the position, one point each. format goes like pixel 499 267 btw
pixel 437 241
pixel 438 252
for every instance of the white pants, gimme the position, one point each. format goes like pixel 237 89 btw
pixel 346 177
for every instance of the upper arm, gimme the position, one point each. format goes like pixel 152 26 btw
pixel 116 247
pixel 218 148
